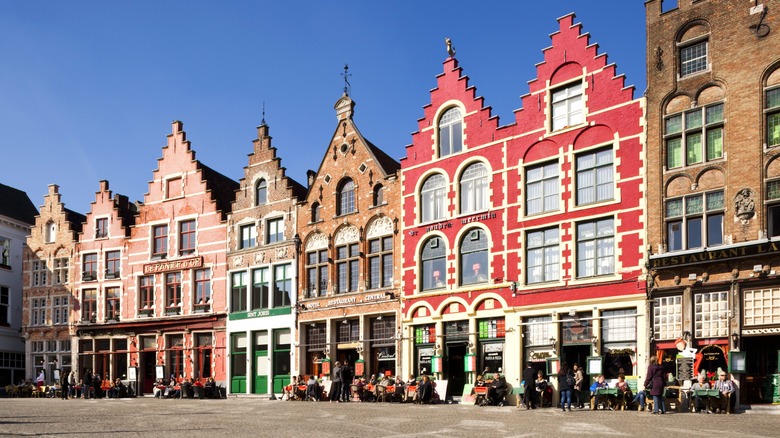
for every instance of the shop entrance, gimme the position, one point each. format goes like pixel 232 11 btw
pixel 348 355
pixel 454 368
pixel 762 363
pixel 148 359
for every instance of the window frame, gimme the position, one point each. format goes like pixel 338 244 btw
pixel 247 236
pixel 543 249
pixel 159 241
pixel 187 236
pixel 474 189
pixel 89 265
pixel 347 268
pixel 771 111
pixel 282 292
pixel 597 239
pixel 113 307
pixel 346 197
pixel 474 254
pixel 202 289
pixel 5 306
pixel 146 294
pixel 89 305
pixel 446 127
pixel 567 101
pixel 543 182
pixel 690 45
pixel 687 220
pixel 433 198
pixel 39 273
pixel 678 134
pixel 431 262
pixel 238 292
pixel 261 192
pixel 60 310
pixel 317 267
pixel 594 171
pixel 173 292
pixel 113 264
pixel 379 251
pixel 101 228
pixel 274 230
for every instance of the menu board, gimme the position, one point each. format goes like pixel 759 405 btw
pixel 684 368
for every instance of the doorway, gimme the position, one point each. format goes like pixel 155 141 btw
pixel 148 361
pixel 762 361
pixel 578 354
pixel 454 368
pixel 347 355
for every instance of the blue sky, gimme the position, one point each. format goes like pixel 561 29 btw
pixel 88 89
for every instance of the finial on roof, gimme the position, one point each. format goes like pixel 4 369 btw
pixel 262 121
pixel 450 49
pixel 346 74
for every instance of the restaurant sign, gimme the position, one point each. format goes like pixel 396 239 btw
pixel 173 265
pixel 671 260
pixel 334 302
pixel 260 313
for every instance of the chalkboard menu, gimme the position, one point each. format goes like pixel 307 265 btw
pixel 684 368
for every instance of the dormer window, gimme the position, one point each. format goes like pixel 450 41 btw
pixel 261 192
pixel 450 132
pixel 50 232
pixel 101 228
pixel 567 106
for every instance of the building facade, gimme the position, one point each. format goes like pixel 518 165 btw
pixel 524 243
pixel 17 216
pixel 349 265
pixel 262 270
pixel 172 307
pixel 49 294
pixel 713 123
pixel 99 265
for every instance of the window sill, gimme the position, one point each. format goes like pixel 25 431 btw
pixel 346 214
pixel 158 257
pixel 694 166
pixel 6 267
pixel 566 129
pixel 694 74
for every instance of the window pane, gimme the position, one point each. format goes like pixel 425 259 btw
pixel 694 233
pixel 773 98
pixel 714 201
pixel 693 119
pixel 693 147
pixel 674 124
pixel 715 114
pixel 674 235
pixel 773 190
pixel 674 208
pixel 673 152
pixel 693 58
pixel 693 204
pixel 714 229
pixel 715 144
pixel 773 129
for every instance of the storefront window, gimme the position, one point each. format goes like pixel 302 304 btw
pixel 762 306
pixel 618 337
pixel 711 315
pixel 577 329
pixel 667 317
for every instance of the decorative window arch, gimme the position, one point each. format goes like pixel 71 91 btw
pixel 261 192
pixel 379 195
pixel 474 188
pixel 434 264
pixel 50 231
pixel 316 214
pixel 433 198
pixel 474 257
pixel 346 197
pixel 450 132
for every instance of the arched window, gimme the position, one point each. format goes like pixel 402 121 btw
pixel 433 264
pixel 315 212
pixel 474 257
pixel 473 188
pixel 450 132
pixel 379 195
pixel 346 197
pixel 433 198
pixel 50 231
pixel 261 192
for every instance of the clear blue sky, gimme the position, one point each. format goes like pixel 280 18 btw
pixel 88 89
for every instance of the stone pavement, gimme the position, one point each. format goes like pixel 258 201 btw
pixel 248 416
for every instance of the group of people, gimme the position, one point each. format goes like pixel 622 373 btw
pixel 184 388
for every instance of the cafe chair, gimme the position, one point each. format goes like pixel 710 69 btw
pixel 381 393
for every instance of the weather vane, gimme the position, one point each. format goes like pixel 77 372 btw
pixel 346 75
pixel 450 49
pixel 262 122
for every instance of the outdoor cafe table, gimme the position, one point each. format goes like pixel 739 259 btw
pixel 710 396
pixel 611 394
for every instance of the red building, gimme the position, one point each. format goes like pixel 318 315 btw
pixel 171 311
pixel 526 240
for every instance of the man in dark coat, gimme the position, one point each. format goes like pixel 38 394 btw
pixel 64 383
pixel 346 381
pixel 497 390
pixel 335 387
pixel 655 379
pixel 529 375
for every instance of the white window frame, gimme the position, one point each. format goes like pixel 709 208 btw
pixel 693 64
pixel 761 306
pixel 546 249
pixel 710 315
pixel 60 310
pixel 274 227
pixel 688 215
pixel 667 317
pixel 607 240
pixel 433 198
pixel 542 189
pixel 567 106
pixel 683 128
pixel 474 188
pixel 596 181
pixel 250 239
pixel 450 123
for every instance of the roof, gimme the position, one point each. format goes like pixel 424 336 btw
pixel 389 165
pixel 15 204
pixel 76 219
pixel 223 189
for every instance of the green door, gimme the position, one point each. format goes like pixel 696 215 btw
pixel 238 363
pixel 261 368
pixel 281 359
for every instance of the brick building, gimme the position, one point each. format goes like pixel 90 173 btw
pixel 525 243
pixel 49 294
pixel 99 266
pixel 349 256
pixel 262 270
pixel 713 124
pixel 172 306
pixel 17 216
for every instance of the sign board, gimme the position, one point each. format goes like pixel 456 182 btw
pixel 468 395
pixel 132 374
pixel 594 365
pixel 56 375
pixel 553 366
pixel 737 362
pixel 684 368
pixel 441 388
pixel 159 372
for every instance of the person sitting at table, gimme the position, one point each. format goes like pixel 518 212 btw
pixel 172 391
pixel 105 386
pixel 313 389
pixel 624 391
pixel 598 384
pixel 726 389
pixel 210 388
pixel 159 388
pixel 412 380
pixel 497 390
pixel 479 382
pixel 540 386
pixel 372 381
pixel 399 387
pixel 700 385
pixel 424 390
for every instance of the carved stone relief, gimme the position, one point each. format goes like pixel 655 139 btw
pixel 347 235
pixel 317 241
pixel 744 205
pixel 380 227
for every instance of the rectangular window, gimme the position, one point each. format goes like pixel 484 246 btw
pixel 60 310
pixel 772 111
pixel 348 331
pixel 567 108
pixel 89 305
pixel 694 221
pixel 693 58
pixel 5 252
pixel 146 296
pixel 762 306
pixel 282 285
pixel 203 289
pixel 238 292
pixel 38 311
pixel 347 267
pixel 595 176
pixel 667 317
pixel 187 237
pixel 541 189
pixel 618 325
pixel 543 256
pixel 39 274
pixel 89 267
pixel 101 228
pixel 317 273
pixel 260 288
pixel 698 131
pixel 773 207
pixel 5 299
pixel 61 270
pixel 275 230
pixel 539 331
pixel 173 292
pixel 112 264
pixel 112 304
pixel 595 248
pixel 380 262
pixel 248 236
pixel 711 315
pixel 160 242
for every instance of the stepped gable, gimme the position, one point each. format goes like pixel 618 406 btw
pixel 479 124
pixel 15 204
pixel 570 55
pixel 124 210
